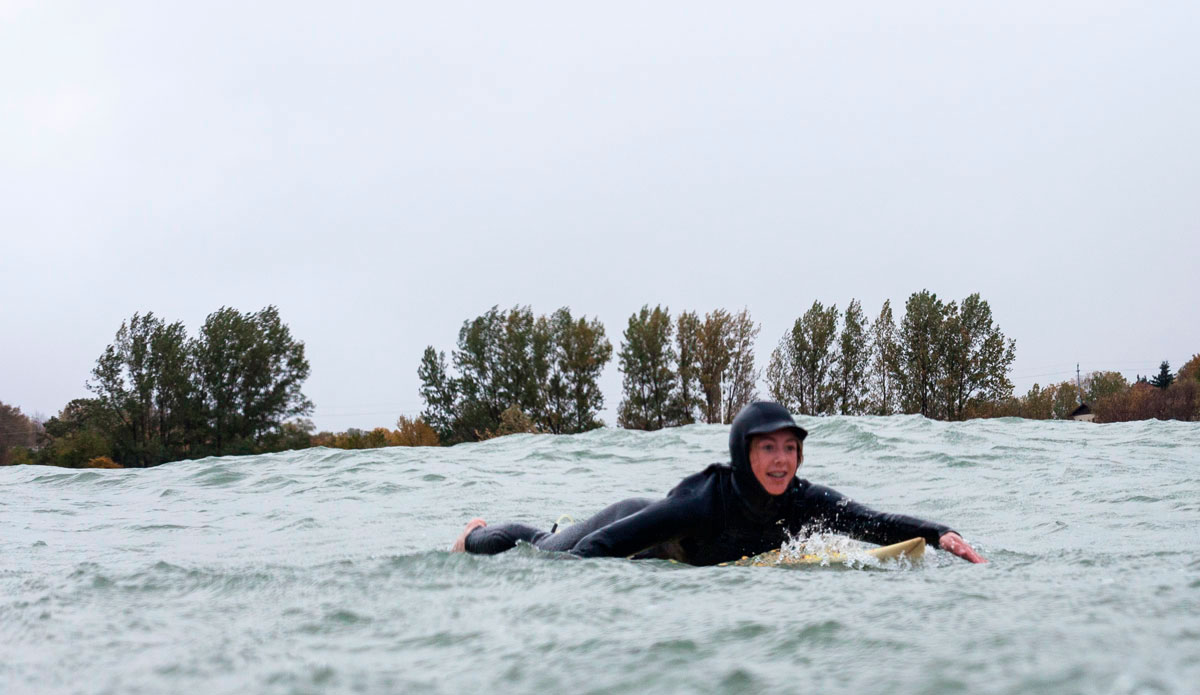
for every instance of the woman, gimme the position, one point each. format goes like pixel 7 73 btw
pixel 727 511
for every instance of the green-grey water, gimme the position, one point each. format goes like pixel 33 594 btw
pixel 326 571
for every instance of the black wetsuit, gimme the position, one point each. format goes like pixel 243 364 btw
pixel 717 515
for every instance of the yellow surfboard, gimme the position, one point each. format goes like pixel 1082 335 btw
pixel 912 549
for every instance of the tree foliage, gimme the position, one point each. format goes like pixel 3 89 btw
pixel 546 367
pixel 713 356
pixel 162 397
pixel 1164 378
pixel 690 391
pixel 16 431
pixel 740 378
pixel 975 358
pixel 799 375
pixel 1190 371
pixel 647 360
pixel 853 361
pixel 250 372
pixel 885 364
pixel 146 381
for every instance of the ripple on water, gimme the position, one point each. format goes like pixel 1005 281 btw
pixel 347 586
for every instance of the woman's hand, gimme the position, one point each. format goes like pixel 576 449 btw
pixel 954 543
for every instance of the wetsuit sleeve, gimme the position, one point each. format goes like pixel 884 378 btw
pixel 663 521
pixel 835 512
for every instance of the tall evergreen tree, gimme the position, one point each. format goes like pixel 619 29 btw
pixel 647 361
pixel 1164 378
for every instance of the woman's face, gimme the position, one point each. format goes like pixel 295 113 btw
pixel 774 458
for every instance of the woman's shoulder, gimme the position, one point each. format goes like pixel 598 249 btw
pixel 701 481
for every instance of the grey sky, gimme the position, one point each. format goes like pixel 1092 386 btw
pixel 383 171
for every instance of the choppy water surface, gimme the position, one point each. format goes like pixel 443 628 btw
pixel 326 571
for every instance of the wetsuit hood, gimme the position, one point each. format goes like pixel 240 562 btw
pixel 762 417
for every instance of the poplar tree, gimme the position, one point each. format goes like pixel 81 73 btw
pixel 647 360
pixel 440 392
pixel 688 331
pixel 477 361
pixel 884 362
pixel 740 377
pixel 920 368
pixel 852 361
pixel 975 358
pixel 537 369
pixel 582 351
pixel 800 372
pixel 714 355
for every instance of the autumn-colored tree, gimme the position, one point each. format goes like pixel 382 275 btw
pixel 1038 403
pixel 1066 400
pixel 1143 401
pixel 414 432
pixel 1100 385
pixel 512 421
pixel 102 462
pixel 1190 371
pixel 16 430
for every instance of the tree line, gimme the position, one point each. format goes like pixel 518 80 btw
pixel 945 360
pixel 513 371
pixel 1111 397
pixel 160 395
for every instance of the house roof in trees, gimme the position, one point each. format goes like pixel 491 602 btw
pixel 1081 410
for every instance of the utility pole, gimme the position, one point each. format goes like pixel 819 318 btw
pixel 1078 384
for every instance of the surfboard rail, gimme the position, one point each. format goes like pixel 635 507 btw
pixel 913 549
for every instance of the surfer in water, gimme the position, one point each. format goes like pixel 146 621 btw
pixel 725 512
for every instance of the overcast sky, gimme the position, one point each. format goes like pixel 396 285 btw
pixel 383 171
